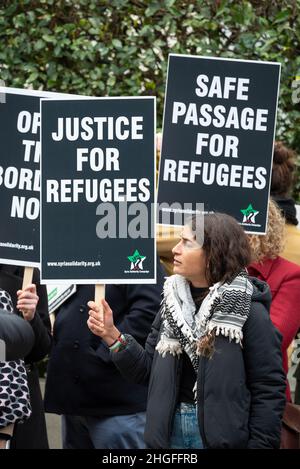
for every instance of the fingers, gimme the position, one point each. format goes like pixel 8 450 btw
pixel 100 320
pixel 26 304
pixel 27 301
pixel 28 293
pixel 96 323
pixel 30 288
pixel 94 315
pixel 106 307
pixel 95 318
pixel 92 305
pixel 95 310
pixel 95 326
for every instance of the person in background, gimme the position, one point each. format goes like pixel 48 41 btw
pixel 282 276
pixel 283 175
pixel 14 394
pixel 212 360
pixel 32 434
pixel 99 409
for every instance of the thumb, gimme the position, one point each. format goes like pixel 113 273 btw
pixel 108 314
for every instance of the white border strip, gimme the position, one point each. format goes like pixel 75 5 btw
pixel 36 93
pixel 109 281
pixel 261 62
pixel 19 262
pixel 271 162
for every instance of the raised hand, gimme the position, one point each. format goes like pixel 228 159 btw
pixel 27 301
pixel 102 324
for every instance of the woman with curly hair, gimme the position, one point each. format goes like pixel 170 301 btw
pixel 283 177
pixel 212 360
pixel 282 276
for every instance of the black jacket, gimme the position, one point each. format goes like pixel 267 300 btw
pixel 81 378
pixel 17 336
pixel 241 391
pixel 32 433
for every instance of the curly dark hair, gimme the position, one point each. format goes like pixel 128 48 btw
pixel 283 170
pixel 226 247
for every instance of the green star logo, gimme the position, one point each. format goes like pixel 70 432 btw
pixel 136 260
pixel 249 214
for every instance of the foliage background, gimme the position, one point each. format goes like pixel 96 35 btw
pixel 113 48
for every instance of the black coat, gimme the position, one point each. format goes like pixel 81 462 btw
pixel 17 335
pixel 81 378
pixel 32 433
pixel 241 391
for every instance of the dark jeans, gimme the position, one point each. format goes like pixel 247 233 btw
pixel 185 433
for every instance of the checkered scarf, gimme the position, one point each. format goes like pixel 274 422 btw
pixel 224 310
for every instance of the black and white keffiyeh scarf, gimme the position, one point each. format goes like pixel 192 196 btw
pixel 224 310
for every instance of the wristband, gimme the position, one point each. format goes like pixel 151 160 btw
pixel 119 342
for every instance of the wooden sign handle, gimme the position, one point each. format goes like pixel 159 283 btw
pixel 99 294
pixel 27 278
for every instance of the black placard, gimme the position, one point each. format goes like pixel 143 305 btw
pixel 98 166
pixel 218 133
pixel 20 175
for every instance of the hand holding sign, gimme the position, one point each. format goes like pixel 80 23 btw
pixel 102 326
pixel 27 301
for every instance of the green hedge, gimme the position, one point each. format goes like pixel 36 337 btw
pixel 121 47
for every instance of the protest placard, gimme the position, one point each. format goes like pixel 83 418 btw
pixel 20 175
pixel 98 214
pixel 58 294
pixel 218 134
